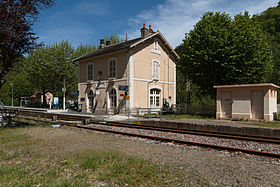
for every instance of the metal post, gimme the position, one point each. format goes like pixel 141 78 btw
pixel 12 94
pixel 64 90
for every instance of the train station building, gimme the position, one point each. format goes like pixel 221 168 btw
pixel 137 73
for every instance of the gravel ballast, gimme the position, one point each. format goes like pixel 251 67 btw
pixel 273 148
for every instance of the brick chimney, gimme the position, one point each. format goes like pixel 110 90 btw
pixel 108 42
pixel 102 43
pixel 146 32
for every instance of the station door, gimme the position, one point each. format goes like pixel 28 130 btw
pixel 226 104
pixel 257 104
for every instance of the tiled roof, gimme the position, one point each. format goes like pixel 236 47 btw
pixel 108 49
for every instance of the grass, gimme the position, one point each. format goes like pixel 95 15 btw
pixel 179 116
pixel 26 160
pixel 272 124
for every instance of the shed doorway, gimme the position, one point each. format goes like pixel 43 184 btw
pixel 226 104
pixel 257 104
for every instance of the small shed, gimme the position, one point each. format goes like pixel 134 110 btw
pixel 247 101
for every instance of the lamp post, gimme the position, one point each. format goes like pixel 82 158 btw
pixel 12 94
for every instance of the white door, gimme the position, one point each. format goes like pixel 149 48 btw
pixel 257 104
pixel 113 99
pixel 226 104
pixel 155 98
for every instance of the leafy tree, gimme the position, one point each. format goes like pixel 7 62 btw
pixel 49 66
pixel 221 50
pixel 270 23
pixel 16 37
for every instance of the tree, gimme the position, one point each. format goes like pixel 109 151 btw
pixel 270 23
pixel 16 37
pixel 49 66
pixel 221 50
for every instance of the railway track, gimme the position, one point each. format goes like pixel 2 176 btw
pixel 182 142
pixel 262 139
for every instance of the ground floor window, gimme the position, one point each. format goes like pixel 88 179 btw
pixel 91 98
pixel 154 98
pixel 113 98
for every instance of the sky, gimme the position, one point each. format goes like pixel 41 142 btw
pixel 88 21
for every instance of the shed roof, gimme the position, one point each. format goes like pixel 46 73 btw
pixel 126 45
pixel 247 85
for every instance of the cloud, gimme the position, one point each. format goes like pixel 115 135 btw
pixel 174 18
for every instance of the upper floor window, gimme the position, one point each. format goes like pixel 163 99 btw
pixel 156 45
pixel 155 49
pixel 90 71
pixel 155 70
pixel 112 67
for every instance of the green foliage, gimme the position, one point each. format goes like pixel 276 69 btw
pixel 221 50
pixel 270 23
pixel 114 39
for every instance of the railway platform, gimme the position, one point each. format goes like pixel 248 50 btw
pixel 214 125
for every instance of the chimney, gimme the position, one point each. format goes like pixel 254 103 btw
pixel 108 42
pixel 102 44
pixel 126 37
pixel 146 32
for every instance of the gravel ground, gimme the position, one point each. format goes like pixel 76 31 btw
pixel 273 148
pixel 200 166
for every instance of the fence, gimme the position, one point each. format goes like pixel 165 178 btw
pixel 205 109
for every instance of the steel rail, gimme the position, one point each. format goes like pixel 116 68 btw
pixel 195 132
pixel 233 149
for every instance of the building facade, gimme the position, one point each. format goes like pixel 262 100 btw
pixel 247 101
pixel 137 73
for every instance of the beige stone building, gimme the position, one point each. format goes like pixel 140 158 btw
pixel 137 73
pixel 247 101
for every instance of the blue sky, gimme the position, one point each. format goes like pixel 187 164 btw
pixel 87 21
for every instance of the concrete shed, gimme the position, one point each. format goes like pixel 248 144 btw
pixel 247 101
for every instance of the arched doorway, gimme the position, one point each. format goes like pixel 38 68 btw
pixel 91 99
pixel 113 98
pixel 155 98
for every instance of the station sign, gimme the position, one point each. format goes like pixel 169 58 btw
pixel 83 99
pixel 74 92
pixel 123 87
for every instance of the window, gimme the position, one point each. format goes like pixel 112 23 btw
pixel 156 45
pixel 155 70
pixel 113 98
pixel 155 49
pixel 90 71
pixel 91 98
pixel 154 98
pixel 112 67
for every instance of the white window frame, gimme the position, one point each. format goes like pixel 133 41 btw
pixel 116 65
pixel 156 70
pixel 160 96
pixel 155 48
pixel 88 71
pixel 156 45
